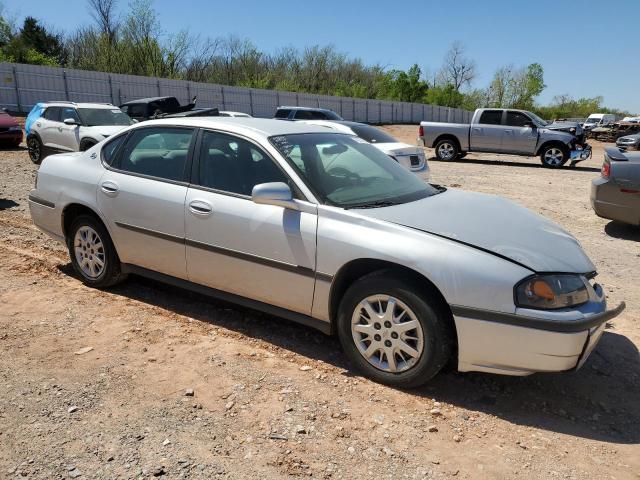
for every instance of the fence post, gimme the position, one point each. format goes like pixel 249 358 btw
pixel 251 101
pixel 341 108
pixel 188 91
pixel 318 101
pixel 159 94
pixel 379 111
pixel 354 109
pixel 66 87
pixel 366 110
pixel 297 100
pixel 110 88
pixel 278 99
pixel 222 93
pixel 15 82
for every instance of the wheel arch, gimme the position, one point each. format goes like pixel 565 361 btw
pixel 447 136
pixel 85 140
pixel 73 210
pixel 356 269
pixel 550 143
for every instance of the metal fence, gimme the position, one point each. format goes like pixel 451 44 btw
pixel 22 86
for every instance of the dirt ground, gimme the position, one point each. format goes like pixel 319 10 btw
pixel 93 384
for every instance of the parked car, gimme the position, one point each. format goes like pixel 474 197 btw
pixel 629 142
pixel 226 113
pixel 616 194
pixel 146 108
pixel 410 157
pixel 325 229
pixel 306 113
pixel 71 127
pixel 513 132
pixel 10 130
pixel 631 119
pixel 598 120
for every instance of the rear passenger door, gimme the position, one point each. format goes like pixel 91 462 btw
pixel 486 134
pixel 263 252
pixel 142 196
pixel 48 126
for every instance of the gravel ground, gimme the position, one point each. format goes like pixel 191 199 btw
pixel 146 380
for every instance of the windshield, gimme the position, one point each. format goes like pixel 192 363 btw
pixel 592 120
pixel 346 171
pixel 538 120
pixel 372 134
pixel 94 117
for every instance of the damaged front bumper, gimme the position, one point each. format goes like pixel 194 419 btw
pixel 580 153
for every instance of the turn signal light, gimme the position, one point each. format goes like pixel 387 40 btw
pixel 421 131
pixel 606 169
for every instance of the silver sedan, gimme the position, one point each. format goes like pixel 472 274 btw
pixel 324 229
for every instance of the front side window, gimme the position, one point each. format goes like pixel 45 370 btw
pixel 517 119
pixel 93 117
pixel 491 117
pixel 68 112
pixel 348 172
pixel 283 113
pixel 232 164
pixel 160 152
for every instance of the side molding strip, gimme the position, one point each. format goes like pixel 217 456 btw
pixel 41 201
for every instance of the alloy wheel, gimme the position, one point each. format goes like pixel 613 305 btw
pixel 446 151
pixel 89 251
pixel 553 156
pixel 387 333
pixel 34 149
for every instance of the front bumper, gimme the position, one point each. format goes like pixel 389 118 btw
pixel 581 153
pixel 522 344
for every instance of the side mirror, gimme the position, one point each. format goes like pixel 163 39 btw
pixel 274 193
pixel 70 121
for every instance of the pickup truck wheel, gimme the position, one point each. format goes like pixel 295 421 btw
pixel 36 150
pixel 554 156
pixel 392 332
pixel 446 150
pixel 92 253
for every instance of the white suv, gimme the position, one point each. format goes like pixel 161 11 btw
pixel 73 127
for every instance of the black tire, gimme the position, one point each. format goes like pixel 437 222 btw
pixel 86 145
pixel 554 155
pixel 37 152
pixel 111 273
pixel 447 150
pixel 462 154
pixel 434 319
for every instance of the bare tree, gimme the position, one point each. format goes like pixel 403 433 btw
pixel 458 70
pixel 104 14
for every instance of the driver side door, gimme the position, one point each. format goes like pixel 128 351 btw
pixel 519 136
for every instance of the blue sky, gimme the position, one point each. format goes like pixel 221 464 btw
pixel 564 36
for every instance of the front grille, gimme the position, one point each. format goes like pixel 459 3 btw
pixel 415 160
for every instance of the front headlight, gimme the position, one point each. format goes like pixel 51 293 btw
pixel 549 292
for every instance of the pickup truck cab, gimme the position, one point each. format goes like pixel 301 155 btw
pixel 508 131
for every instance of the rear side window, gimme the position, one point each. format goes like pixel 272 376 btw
pixel 136 111
pixel 160 152
pixel 282 113
pixel 491 117
pixel 110 150
pixel 310 115
pixel 517 119
pixel 52 113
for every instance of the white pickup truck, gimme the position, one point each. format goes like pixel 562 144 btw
pixel 507 131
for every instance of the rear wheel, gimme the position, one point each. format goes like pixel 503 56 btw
pixel 36 150
pixel 554 156
pixel 447 150
pixel 92 253
pixel 392 332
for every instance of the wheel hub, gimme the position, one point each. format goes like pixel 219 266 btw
pixel 89 251
pixel 387 333
pixel 446 151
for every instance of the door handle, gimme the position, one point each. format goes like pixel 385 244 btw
pixel 200 208
pixel 109 188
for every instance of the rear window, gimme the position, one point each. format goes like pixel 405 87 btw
pixel 282 113
pixel 372 134
pixel 491 117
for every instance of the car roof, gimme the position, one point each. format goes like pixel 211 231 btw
pixel 146 100
pixel 61 103
pixel 313 109
pixel 265 127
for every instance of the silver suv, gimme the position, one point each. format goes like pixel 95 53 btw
pixel 325 229
pixel 73 127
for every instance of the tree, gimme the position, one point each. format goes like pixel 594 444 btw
pixel 104 14
pixel 458 70
pixel 36 36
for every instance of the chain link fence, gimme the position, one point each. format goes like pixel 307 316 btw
pixel 22 86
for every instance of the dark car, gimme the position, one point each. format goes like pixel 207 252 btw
pixel 306 113
pixel 616 194
pixel 10 130
pixel 155 107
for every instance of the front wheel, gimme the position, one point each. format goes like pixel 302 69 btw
pixel 392 332
pixel 554 156
pixel 92 253
pixel 446 150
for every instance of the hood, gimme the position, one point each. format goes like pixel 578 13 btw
pixel 104 130
pixel 7 120
pixel 565 127
pixel 493 224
